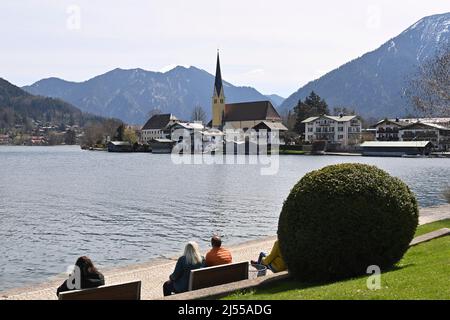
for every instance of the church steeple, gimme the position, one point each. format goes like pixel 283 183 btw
pixel 218 99
pixel 218 87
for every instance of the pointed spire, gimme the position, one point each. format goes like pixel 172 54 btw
pixel 218 87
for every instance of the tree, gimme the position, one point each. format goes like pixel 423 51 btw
pixel 70 137
pixel 130 136
pixel 55 138
pixel 198 114
pixel 93 134
pixel 337 111
pixel 109 128
pixel 326 227
pixel 313 106
pixel 288 117
pixel 120 133
pixel 429 89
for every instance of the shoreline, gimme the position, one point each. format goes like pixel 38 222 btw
pixel 155 272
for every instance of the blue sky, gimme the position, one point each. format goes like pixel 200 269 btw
pixel 274 46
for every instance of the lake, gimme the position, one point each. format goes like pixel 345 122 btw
pixel 58 203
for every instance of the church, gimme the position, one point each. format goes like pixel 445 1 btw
pixel 245 115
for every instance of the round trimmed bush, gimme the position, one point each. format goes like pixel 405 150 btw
pixel 339 220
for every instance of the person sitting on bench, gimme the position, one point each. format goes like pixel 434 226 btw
pixel 179 280
pixel 84 276
pixel 218 255
pixel 274 261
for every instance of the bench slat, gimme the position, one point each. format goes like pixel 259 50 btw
pixel 124 291
pixel 218 275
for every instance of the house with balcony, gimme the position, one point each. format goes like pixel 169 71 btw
pixel 434 130
pixel 437 134
pixel 342 131
pixel 389 129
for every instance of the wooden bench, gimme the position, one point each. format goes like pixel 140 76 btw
pixel 124 291
pixel 218 275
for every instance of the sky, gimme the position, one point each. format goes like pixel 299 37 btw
pixel 274 46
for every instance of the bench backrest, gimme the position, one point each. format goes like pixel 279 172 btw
pixel 125 291
pixel 218 275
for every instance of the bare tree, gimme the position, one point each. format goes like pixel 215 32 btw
pixel 198 114
pixel 288 118
pixel 429 89
pixel 337 111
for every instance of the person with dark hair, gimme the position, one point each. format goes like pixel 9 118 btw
pixel 84 276
pixel 218 255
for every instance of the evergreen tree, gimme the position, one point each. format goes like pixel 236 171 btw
pixel 313 106
pixel 120 133
pixel 70 137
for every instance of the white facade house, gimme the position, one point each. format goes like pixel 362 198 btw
pixel 435 130
pixel 156 127
pixel 341 130
pixel 438 135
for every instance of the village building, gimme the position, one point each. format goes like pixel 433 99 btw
pixel 389 129
pixel 245 115
pixel 438 135
pixel 156 127
pixel 396 148
pixel 162 145
pixel 5 139
pixel 435 130
pixel 189 126
pixel 119 146
pixel 342 131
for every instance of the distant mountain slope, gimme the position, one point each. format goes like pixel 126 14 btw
pixel 18 107
pixel 374 84
pixel 130 94
pixel 275 99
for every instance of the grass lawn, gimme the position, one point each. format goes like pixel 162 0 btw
pixel 293 152
pixel 423 273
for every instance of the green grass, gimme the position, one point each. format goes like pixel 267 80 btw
pixel 423 273
pixel 292 152
pixel 432 227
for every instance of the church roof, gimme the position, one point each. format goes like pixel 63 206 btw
pixel 251 111
pixel 270 125
pixel 159 121
pixel 218 87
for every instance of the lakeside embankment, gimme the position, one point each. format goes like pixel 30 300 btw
pixel 154 273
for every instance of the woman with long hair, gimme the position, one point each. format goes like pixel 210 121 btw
pixel 84 276
pixel 179 280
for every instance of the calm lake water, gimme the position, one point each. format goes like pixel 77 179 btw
pixel 57 203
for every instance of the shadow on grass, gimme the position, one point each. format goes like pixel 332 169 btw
pixel 292 284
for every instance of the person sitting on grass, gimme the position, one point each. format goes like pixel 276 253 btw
pixel 218 255
pixel 179 280
pixel 84 276
pixel 274 261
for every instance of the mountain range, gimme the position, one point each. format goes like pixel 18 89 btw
pixel 130 95
pixel 374 84
pixel 20 108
